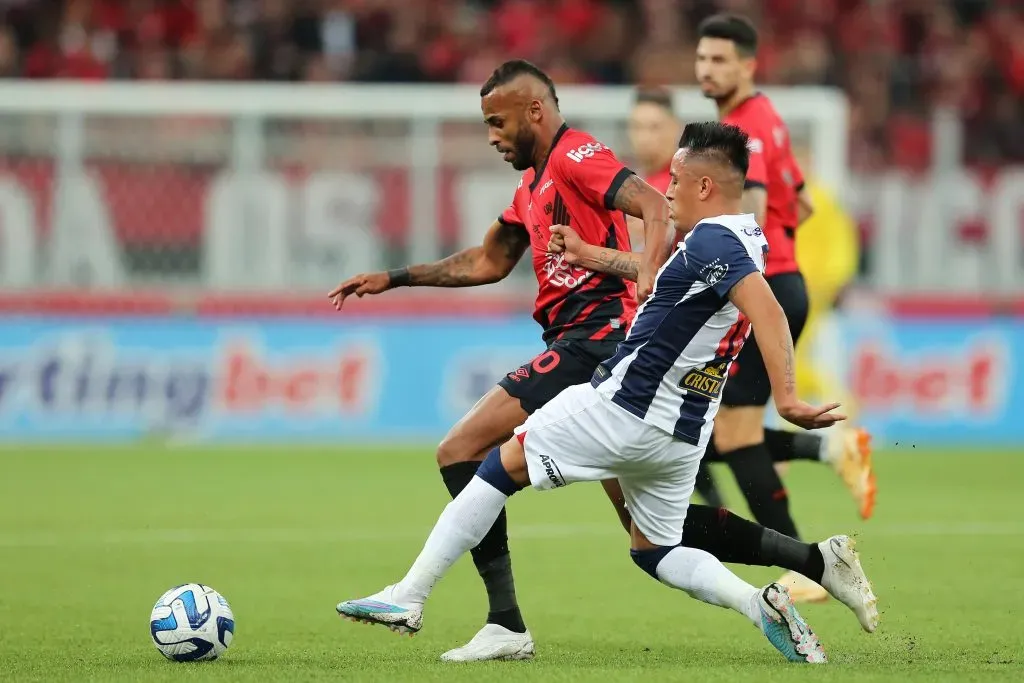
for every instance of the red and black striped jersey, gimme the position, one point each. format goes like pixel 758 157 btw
pixel 576 186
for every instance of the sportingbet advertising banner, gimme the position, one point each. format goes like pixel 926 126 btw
pixel 914 382
pixel 280 380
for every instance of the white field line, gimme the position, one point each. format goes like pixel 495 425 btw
pixel 129 537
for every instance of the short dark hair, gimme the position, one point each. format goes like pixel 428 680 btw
pixel 661 97
pixel 734 27
pixel 721 141
pixel 514 68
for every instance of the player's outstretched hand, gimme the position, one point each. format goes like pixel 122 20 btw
pixel 364 283
pixel 564 240
pixel 810 417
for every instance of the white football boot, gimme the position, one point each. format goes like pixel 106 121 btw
pixel 845 580
pixel 493 642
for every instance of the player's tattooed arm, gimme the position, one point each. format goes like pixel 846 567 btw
pixel 755 201
pixel 754 298
pixel 619 263
pixel 503 246
pixel 638 199
pixel 623 264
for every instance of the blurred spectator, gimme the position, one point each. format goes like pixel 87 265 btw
pixel 896 59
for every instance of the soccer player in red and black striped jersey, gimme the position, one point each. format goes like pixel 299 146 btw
pixel 775 194
pixel 569 179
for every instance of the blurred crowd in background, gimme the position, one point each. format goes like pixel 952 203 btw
pixel 897 59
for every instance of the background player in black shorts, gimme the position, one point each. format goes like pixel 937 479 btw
pixel 569 178
pixel 774 193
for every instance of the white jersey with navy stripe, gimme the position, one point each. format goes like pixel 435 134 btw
pixel 672 367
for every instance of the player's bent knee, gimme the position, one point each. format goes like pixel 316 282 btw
pixel 455 448
pixel 649 559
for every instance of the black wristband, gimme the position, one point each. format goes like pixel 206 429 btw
pixel 398 277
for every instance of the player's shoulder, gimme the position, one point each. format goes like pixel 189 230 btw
pixel 720 234
pixel 574 146
pixel 754 115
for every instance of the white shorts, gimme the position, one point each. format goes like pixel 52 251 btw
pixel 582 436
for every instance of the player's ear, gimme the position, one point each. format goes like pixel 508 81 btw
pixel 749 65
pixel 705 187
pixel 534 111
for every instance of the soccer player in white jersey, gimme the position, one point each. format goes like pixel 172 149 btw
pixel 647 415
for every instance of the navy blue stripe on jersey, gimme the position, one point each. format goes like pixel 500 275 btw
pixel 691 416
pixel 645 323
pixel 664 327
pixel 655 358
pixel 718 257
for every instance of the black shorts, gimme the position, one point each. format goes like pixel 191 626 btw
pixel 748 385
pixel 564 364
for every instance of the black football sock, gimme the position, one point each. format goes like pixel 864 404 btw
pixel 765 493
pixel 782 551
pixel 491 557
pixel 785 445
pixel 705 486
pixel 730 538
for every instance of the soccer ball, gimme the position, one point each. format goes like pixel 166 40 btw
pixel 192 622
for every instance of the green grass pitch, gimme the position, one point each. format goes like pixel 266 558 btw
pixel 89 538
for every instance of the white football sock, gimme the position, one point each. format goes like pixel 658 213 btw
pixel 705 578
pixel 461 526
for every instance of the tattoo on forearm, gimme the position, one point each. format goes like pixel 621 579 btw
pixel 462 269
pixel 455 271
pixel 619 264
pixel 787 348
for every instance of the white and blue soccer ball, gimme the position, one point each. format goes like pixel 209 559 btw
pixel 192 622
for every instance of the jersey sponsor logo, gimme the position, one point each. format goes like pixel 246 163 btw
pixel 584 151
pixel 779 134
pixel 714 272
pixel 551 471
pixel 752 232
pixel 707 381
pixel 755 146
pixel 545 186
pixel 562 274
